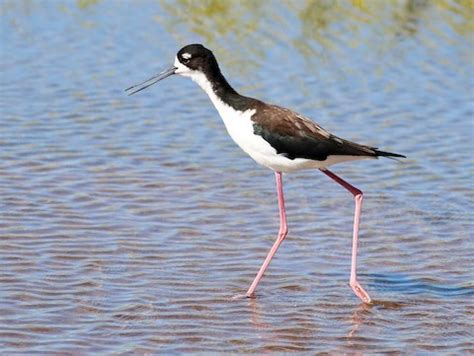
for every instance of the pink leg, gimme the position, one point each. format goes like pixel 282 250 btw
pixel 358 196
pixel 281 236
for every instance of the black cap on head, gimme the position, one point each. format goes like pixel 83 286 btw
pixel 197 57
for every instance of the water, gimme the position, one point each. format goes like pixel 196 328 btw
pixel 129 223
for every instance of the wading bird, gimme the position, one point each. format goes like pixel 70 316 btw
pixel 275 137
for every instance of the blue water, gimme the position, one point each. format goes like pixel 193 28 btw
pixel 128 223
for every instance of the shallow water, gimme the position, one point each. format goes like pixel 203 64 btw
pixel 129 223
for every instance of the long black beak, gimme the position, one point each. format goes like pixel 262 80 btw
pixel 139 87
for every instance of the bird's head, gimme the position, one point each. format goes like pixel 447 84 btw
pixel 194 58
pixel 192 61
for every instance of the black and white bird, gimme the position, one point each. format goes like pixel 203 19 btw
pixel 275 137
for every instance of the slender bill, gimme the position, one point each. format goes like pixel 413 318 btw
pixel 139 87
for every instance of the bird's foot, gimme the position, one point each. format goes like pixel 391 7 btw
pixel 360 292
pixel 251 295
pixel 242 296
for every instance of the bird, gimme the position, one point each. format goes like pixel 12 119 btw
pixel 275 137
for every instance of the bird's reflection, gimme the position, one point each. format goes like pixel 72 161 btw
pixel 364 313
pixel 360 315
pixel 255 311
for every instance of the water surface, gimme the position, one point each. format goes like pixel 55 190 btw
pixel 128 223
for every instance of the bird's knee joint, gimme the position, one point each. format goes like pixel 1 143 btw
pixel 283 232
pixel 359 196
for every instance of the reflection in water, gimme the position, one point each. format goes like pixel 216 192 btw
pixel 238 20
pixel 295 330
pixel 84 4
pixel 359 317
pixel 220 24
pixel 365 314
pixel 407 17
pixel 224 24
pixel 314 17
pixel 256 318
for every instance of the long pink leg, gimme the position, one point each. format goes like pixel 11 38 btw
pixel 358 197
pixel 281 236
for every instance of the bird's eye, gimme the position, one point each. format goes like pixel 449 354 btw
pixel 186 60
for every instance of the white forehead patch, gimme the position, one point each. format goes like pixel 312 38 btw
pixel 186 55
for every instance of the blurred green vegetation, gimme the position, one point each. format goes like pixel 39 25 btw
pixel 237 18
pixel 222 17
pixel 82 4
pixel 311 27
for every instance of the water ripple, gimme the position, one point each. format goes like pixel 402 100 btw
pixel 129 224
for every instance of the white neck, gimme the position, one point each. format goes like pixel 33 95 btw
pixel 205 84
pixel 201 79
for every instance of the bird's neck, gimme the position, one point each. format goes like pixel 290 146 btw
pixel 221 92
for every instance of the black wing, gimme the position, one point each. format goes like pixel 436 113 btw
pixel 295 136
